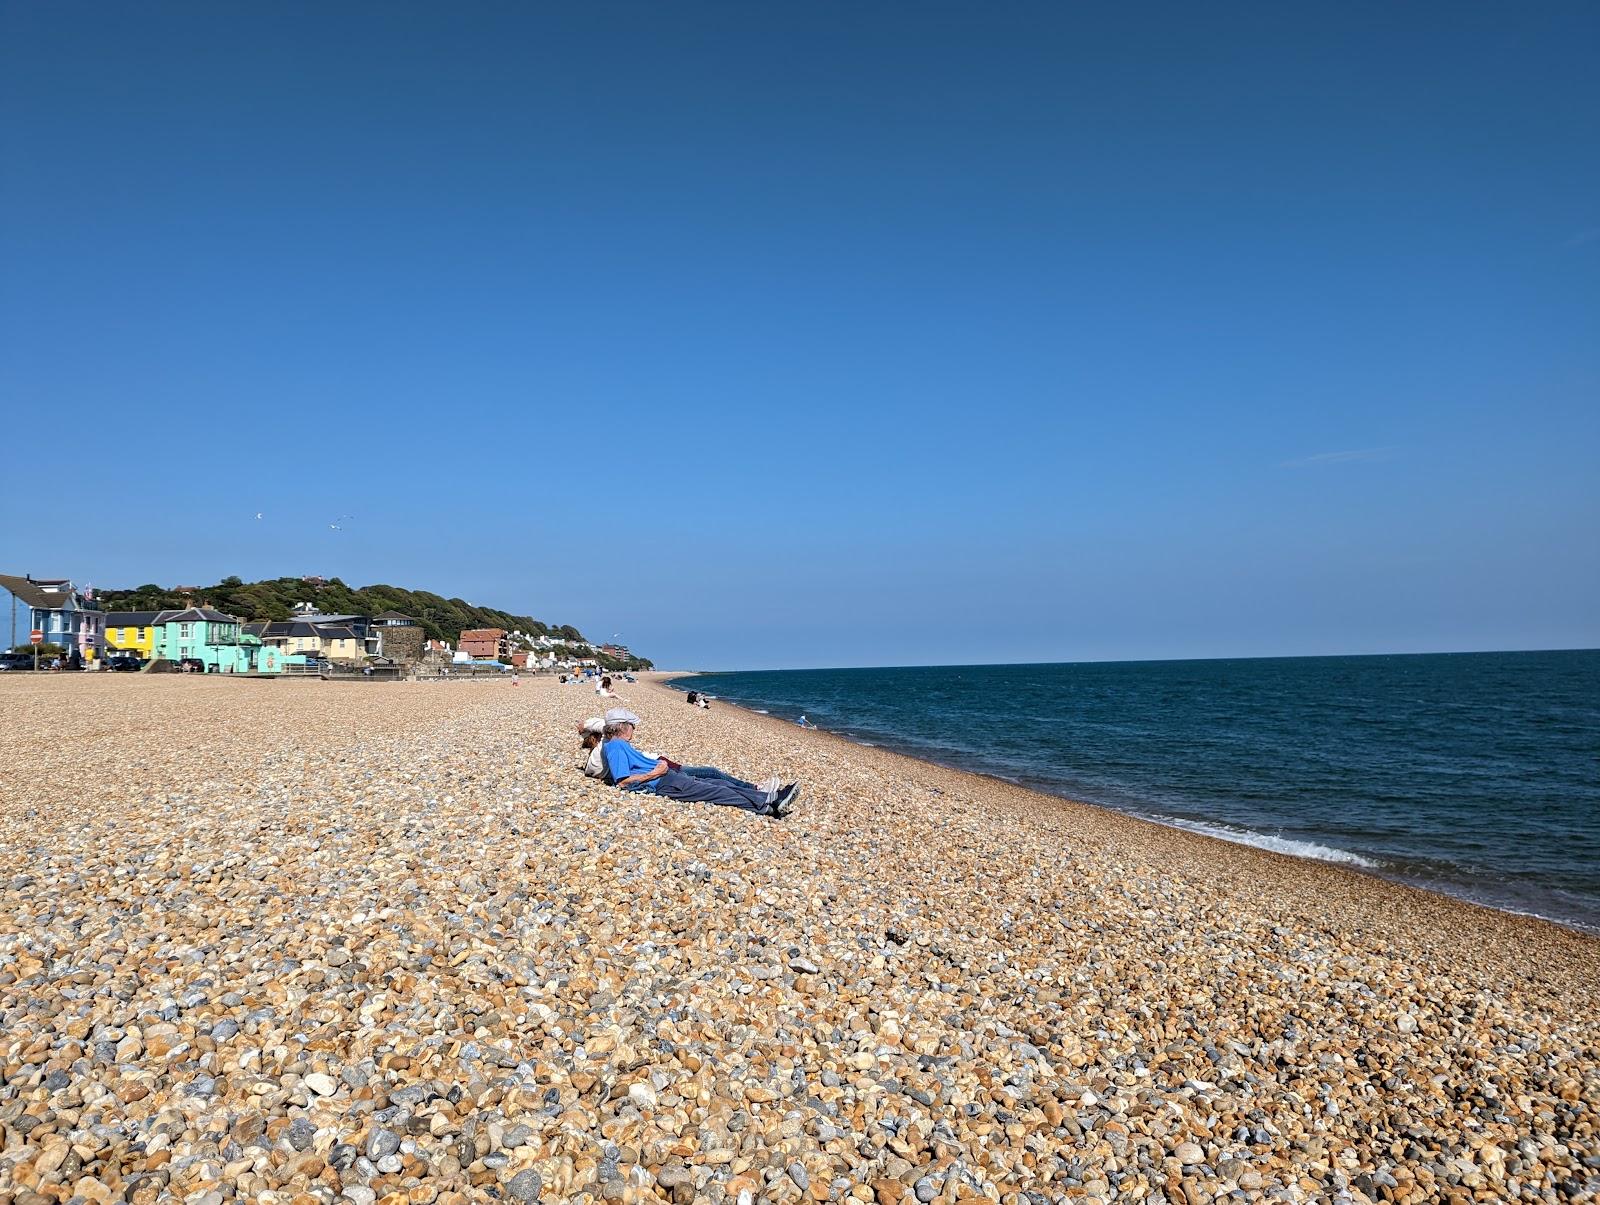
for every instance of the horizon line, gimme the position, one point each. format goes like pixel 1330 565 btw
pixel 1124 661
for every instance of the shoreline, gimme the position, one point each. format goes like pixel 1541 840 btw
pixel 1447 913
pixel 1350 862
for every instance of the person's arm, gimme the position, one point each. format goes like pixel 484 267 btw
pixel 634 780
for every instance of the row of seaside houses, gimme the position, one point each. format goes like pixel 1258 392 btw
pixel 220 643
pixel 72 619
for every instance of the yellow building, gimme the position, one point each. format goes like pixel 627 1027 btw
pixel 132 632
pixel 340 643
pixel 336 642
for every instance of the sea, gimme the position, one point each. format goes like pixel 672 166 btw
pixel 1473 774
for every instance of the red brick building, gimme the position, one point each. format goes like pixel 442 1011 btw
pixel 485 644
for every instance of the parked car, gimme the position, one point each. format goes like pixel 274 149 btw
pixel 191 665
pixel 20 661
pixel 124 663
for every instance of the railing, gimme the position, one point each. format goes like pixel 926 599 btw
pixel 363 673
pixel 458 669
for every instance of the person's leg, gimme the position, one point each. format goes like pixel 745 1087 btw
pixel 712 774
pixel 675 784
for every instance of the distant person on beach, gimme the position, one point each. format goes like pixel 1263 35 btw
pixel 805 723
pixel 603 689
pixel 633 771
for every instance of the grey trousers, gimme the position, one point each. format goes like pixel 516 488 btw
pixel 675 784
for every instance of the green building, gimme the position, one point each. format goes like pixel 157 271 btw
pixel 204 635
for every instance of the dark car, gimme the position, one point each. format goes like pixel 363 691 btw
pixel 20 661
pixel 191 665
pixel 124 663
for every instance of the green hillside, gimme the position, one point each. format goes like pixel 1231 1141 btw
pixel 442 618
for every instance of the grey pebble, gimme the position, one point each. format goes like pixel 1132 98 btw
pixel 525 1185
pixel 382 1142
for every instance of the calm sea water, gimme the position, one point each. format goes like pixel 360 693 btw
pixel 1476 774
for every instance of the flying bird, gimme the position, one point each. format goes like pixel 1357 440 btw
pixel 258 514
pixel 336 524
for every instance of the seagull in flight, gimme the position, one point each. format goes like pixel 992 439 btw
pixel 336 524
pixel 258 514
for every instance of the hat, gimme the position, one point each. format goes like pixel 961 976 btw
pixel 621 715
pixel 594 724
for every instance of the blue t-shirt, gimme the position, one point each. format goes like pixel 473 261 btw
pixel 624 761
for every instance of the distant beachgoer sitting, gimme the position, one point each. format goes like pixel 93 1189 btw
pixel 603 689
pixel 633 771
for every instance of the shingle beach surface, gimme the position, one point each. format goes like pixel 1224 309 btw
pixel 302 942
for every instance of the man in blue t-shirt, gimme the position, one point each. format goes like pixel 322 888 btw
pixel 633 771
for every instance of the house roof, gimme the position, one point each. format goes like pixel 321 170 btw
pixel 483 634
pixel 302 627
pixel 131 619
pixel 283 627
pixel 196 615
pixel 395 615
pixel 48 594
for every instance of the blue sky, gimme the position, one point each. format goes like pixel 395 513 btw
pixel 820 334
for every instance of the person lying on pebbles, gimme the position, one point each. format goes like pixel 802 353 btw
pixel 592 761
pixel 633 771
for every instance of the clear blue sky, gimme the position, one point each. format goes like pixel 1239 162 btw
pixel 820 334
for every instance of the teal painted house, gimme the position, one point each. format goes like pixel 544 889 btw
pixel 200 633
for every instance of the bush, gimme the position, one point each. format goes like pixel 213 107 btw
pixel 46 651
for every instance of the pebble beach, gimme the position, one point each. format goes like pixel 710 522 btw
pixel 303 941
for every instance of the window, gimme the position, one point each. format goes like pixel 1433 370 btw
pixel 184 630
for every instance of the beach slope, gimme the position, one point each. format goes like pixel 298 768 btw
pixel 305 941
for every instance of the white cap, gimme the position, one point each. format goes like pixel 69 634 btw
pixel 621 715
